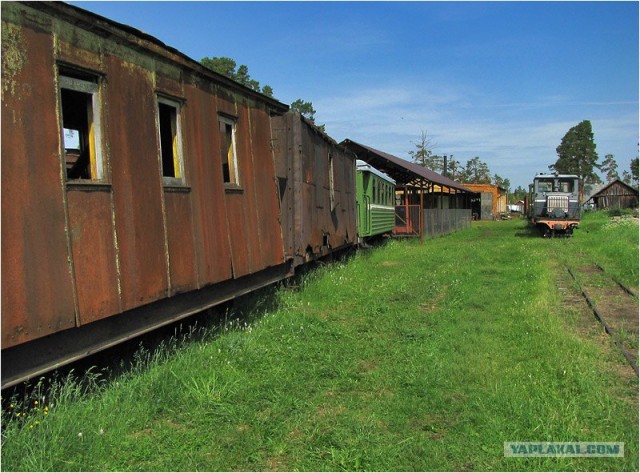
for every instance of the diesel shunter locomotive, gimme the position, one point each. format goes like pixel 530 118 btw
pixel 554 204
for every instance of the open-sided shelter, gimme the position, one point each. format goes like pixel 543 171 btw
pixel 427 203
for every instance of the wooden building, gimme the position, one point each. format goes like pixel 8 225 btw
pixel 615 195
pixel 491 200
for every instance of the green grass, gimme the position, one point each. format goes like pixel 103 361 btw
pixel 611 244
pixel 414 356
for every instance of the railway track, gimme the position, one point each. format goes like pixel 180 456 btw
pixel 614 305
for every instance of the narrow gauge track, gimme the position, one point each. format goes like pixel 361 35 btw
pixel 616 309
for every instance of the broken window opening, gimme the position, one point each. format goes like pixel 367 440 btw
pixel 80 116
pixel 227 129
pixel 169 131
pixel 332 192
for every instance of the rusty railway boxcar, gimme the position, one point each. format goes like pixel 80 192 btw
pixel 138 187
pixel 316 183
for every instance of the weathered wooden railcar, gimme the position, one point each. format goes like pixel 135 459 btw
pixel 316 184
pixel 375 197
pixel 138 187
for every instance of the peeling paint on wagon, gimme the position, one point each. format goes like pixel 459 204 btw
pixel 13 57
pixel 84 251
pixel 36 282
pixel 92 233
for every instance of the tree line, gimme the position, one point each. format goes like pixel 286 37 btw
pixel 475 171
pixel 576 155
pixel 229 68
pixel 576 152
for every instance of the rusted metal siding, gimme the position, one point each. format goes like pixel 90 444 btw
pixel 202 160
pixel 180 245
pixel 91 233
pixel 267 210
pixel 302 156
pixel 137 186
pixel 252 207
pixel 77 252
pixel 345 180
pixel 37 293
pixel 282 144
pixel 244 202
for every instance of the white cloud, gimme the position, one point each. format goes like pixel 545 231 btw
pixel 517 142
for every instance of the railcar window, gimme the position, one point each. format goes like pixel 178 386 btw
pixel 81 136
pixel 169 131
pixel 227 129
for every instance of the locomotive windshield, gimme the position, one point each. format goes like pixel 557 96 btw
pixel 556 185
pixel 545 185
pixel 567 185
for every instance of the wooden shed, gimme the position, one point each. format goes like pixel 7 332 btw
pixel 615 195
pixel 491 200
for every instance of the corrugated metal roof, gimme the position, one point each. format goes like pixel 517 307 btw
pixel 402 171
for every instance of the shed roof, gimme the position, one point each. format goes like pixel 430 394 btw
pixel 402 171
pixel 625 187
pixel 484 187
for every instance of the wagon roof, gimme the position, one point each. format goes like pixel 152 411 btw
pixel 362 166
pixel 402 171
pixel 138 39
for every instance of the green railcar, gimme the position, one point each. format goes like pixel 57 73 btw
pixel 375 194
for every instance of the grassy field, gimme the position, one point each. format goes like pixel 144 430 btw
pixel 410 357
pixel 612 243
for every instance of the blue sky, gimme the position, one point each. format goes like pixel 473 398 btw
pixel 503 81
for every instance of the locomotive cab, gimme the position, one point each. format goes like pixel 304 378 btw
pixel 555 204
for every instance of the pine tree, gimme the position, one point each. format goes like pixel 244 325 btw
pixel 476 172
pixel 423 154
pixel 227 67
pixel 610 168
pixel 577 155
pixel 634 170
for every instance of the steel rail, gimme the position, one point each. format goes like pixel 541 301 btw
pixel 631 292
pixel 600 318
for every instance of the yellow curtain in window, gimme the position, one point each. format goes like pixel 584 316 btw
pixel 176 157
